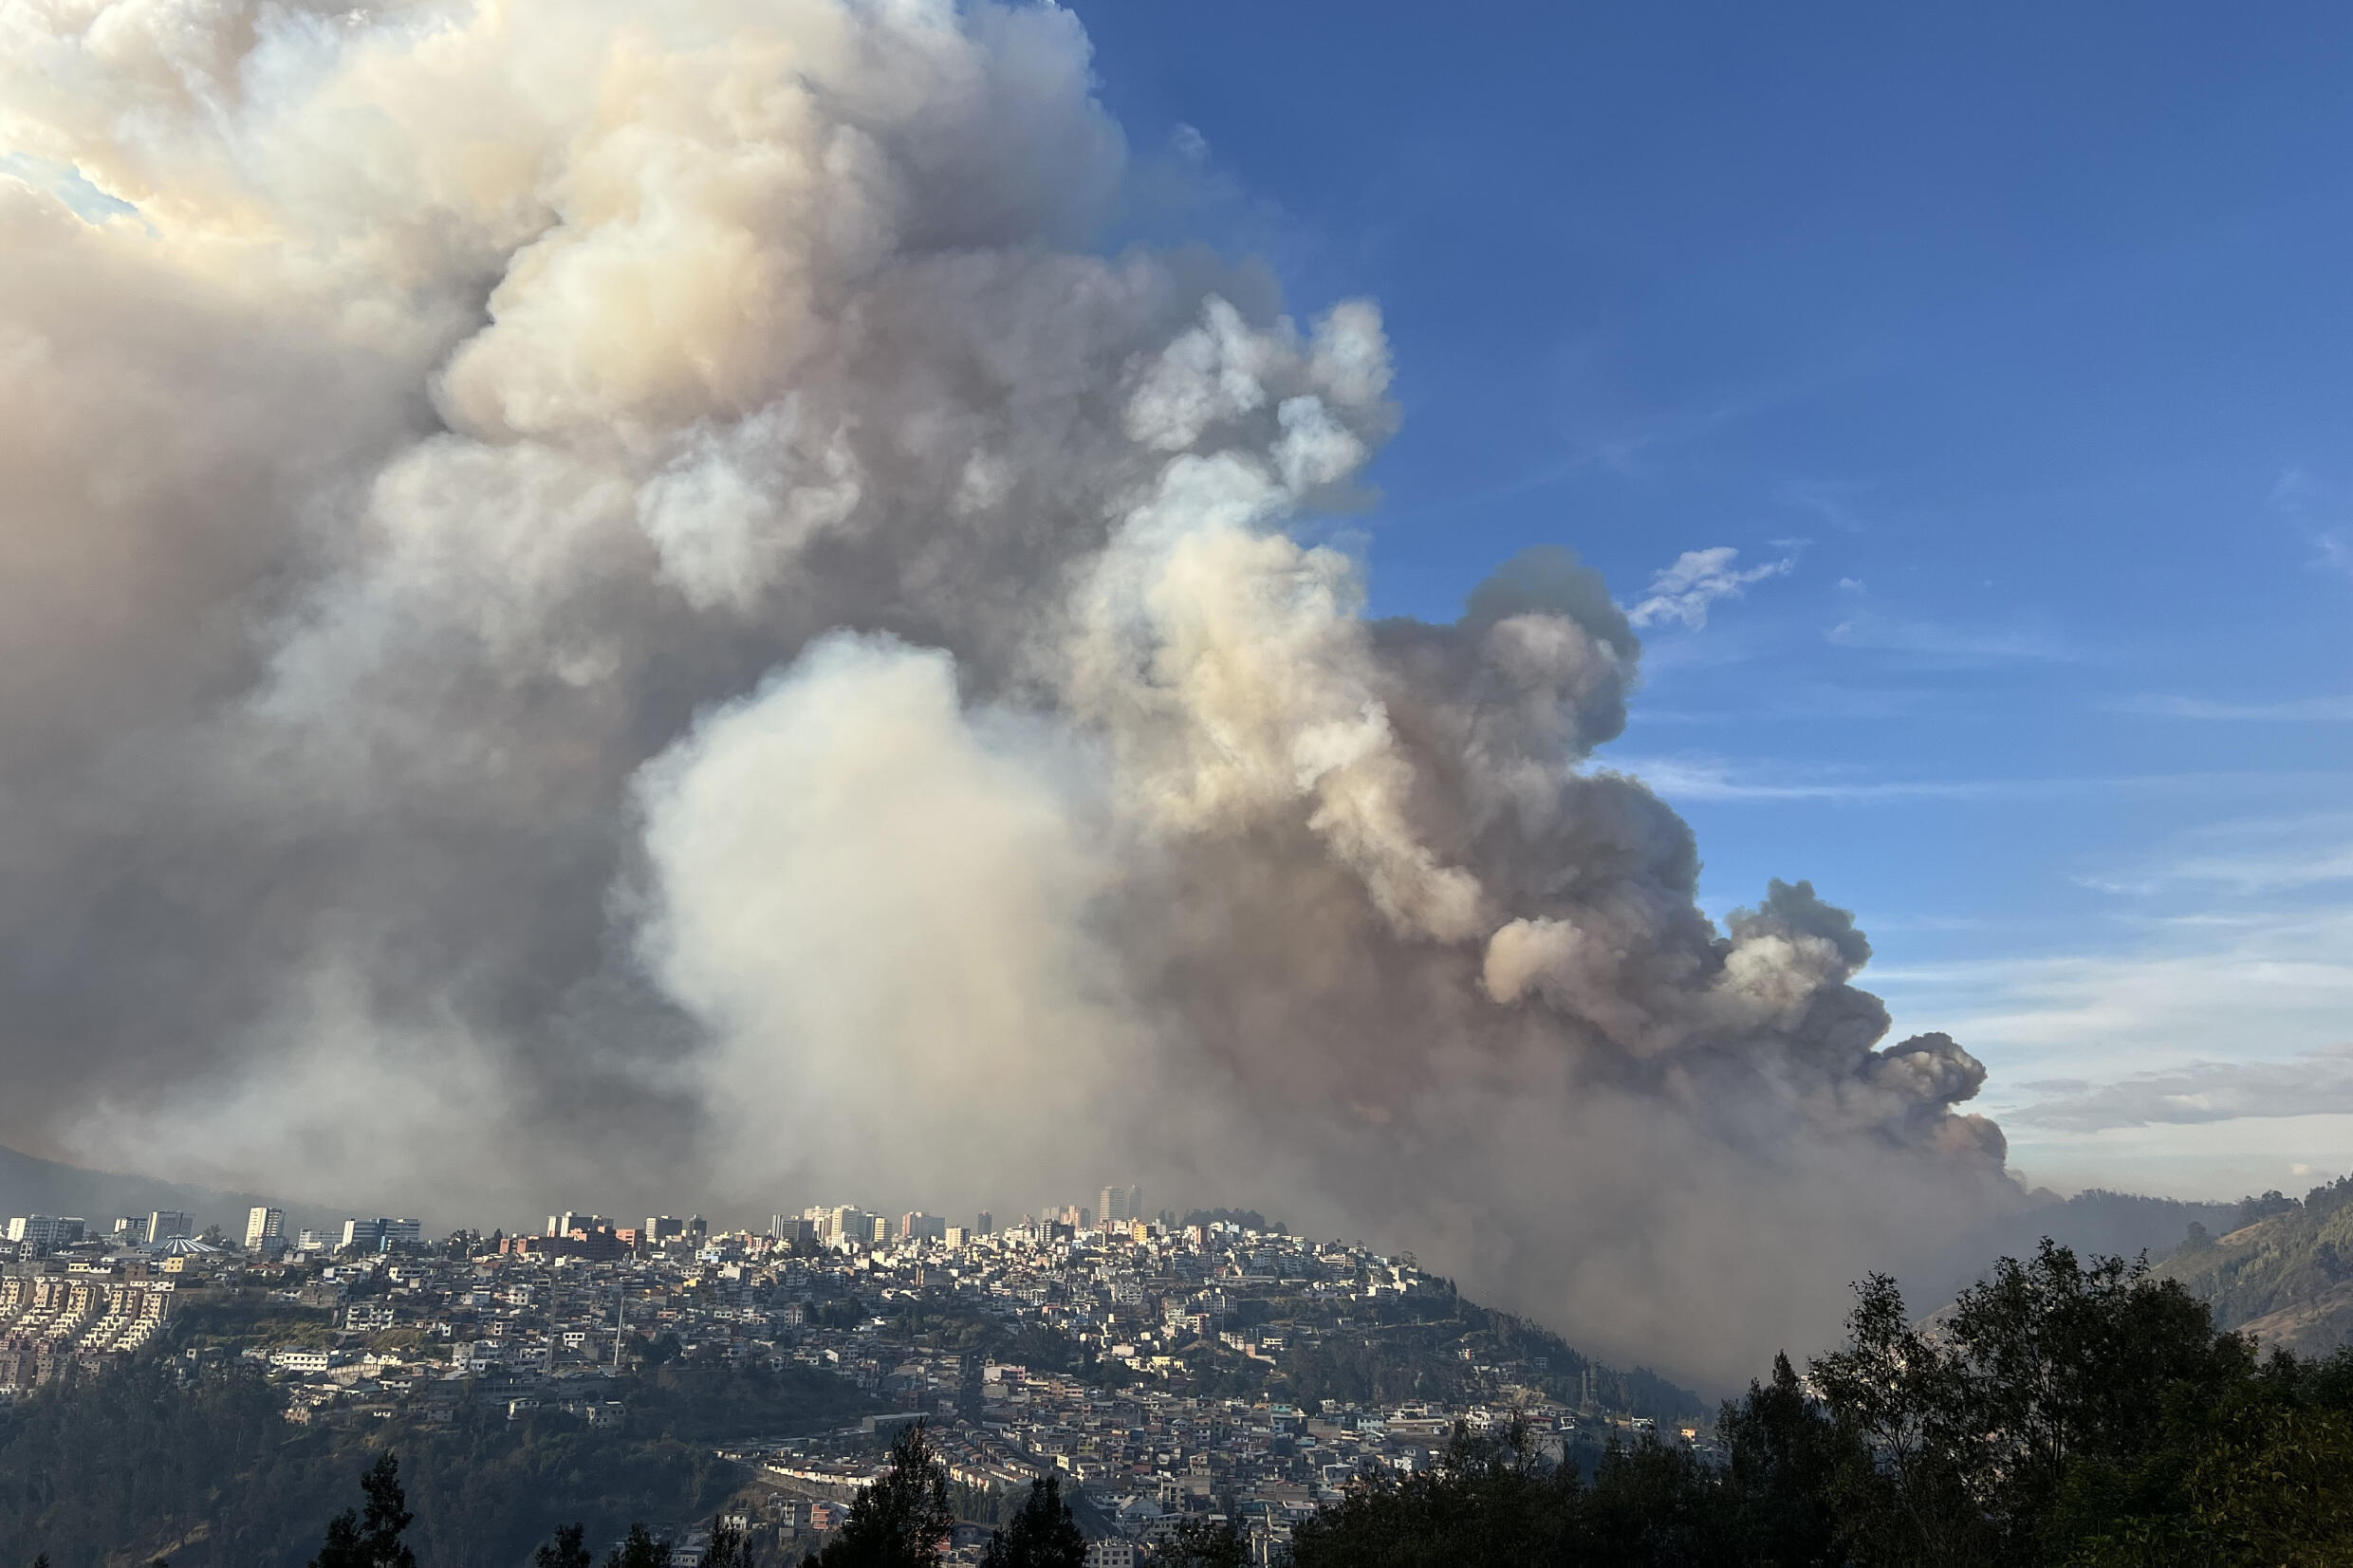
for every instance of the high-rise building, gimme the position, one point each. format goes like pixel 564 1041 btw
pixel 130 1230
pixel 1118 1206
pixel 263 1224
pixel 163 1224
pixel 380 1235
pixel 985 1224
pixel 46 1231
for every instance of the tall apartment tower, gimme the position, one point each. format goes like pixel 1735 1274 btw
pixel 164 1224
pixel 263 1224
pixel 1120 1206
pixel 985 1224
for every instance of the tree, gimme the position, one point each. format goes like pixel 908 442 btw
pixel 570 1549
pixel 1203 1543
pixel 902 1520
pixel 373 1539
pixel 1486 1502
pixel 1042 1535
pixel 2031 1411
pixel 1787 1458
pixel 639 1550
pixel 727 1549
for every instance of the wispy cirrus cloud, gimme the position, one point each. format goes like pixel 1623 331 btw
pixel 1698 579
pixel 1717 779
pixel 1701 777
pixel 2245 858
pixel 2186 985
pixel 2318 1083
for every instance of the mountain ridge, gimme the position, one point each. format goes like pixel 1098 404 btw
pixel 31 1184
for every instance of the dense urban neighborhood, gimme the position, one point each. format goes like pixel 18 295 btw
pixel 1216 1369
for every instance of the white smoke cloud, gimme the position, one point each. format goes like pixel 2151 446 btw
pixel 609 599
pixel 1699 579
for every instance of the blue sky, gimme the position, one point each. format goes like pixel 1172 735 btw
pixel 2016 343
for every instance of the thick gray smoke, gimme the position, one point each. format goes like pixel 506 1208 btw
pixel 604 602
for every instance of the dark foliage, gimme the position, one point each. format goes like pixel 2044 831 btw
pixel 570 1549
pixel 903 1519
pixel 727 1549
pixel 371 1540
pixel 1788 1459
pixel 2059 1413
pixel 1203 1543
pixel 210 1472
pixel 639 1550
pixel 1042 1535
pixel 1489 1502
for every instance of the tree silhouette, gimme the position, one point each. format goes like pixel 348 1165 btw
pixel 1203 1543
pixel 727 1549
pixel 1042 1535
pixel 903 1519
pixel 569 1549
pixel 639 1550
pixel 371 1540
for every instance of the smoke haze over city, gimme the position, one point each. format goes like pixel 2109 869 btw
pixel 605 602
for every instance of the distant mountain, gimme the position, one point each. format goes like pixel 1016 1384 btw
pixel 31 1186
pixel 2094 1222
pixel 2286 1276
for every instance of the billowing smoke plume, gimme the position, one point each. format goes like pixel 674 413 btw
pixel 606 602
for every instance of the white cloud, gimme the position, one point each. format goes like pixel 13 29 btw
pixel 2197 986
pixel 1697 580
pixel 1699 777
pixel 2321 1083
pixel 2196 1160
pixel 1718 779
pixel 2264 855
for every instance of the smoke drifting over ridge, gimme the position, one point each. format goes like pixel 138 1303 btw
pixel 599 598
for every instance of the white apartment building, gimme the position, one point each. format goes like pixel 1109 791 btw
pixel 46 1230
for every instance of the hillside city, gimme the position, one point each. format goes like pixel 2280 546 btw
pixel 1220 1369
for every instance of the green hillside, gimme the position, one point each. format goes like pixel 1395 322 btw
pixel 2285 1275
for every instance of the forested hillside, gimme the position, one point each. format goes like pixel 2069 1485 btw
pixel 2283 1274
pixel 136 1463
